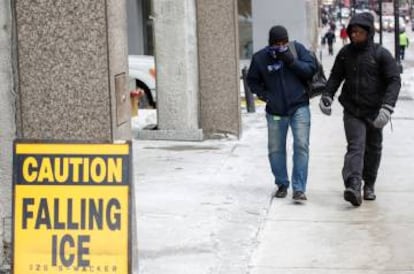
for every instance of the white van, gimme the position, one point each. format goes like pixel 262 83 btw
pixel 142 69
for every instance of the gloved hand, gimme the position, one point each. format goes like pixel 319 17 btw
pixel 286 56
pixel 383 117
pixel 325 105
pixel 273 51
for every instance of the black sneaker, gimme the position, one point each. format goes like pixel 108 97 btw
pixel 369 192
pixel 299 196
pixel 281 192
pixel 353 196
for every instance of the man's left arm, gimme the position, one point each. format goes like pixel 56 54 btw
pixel 304 65
pixel 391 75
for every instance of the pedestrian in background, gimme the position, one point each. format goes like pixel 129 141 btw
pixel 344 35
pixel 277 77
pixel 332 25
pixel 404 42
pixel 329 37
pixel 369 93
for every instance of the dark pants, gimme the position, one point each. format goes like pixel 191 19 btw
pixel 402 52
pixel 330 49
pixel 363 155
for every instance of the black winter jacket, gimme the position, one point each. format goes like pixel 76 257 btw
pixel 283 90
pixel 370 74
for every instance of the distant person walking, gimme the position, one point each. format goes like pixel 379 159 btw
pixel 277 77
pixel 369 93
pixel 332 25
pixel 344 35
pixel 404 43
pixel 329 38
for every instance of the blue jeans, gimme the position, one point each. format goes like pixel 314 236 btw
pixel 277 126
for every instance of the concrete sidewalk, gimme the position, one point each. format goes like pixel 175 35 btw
pixel 201 204
pixel 329 235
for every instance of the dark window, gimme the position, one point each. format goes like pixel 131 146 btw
pixel 148 27
pixel 245 29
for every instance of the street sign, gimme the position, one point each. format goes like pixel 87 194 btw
pixel 71 208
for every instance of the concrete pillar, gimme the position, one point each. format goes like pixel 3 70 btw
pixel 7 123
pixel 177 71
pixel 218 43
pixel 72 72
pixel 312 20
pixel 72 61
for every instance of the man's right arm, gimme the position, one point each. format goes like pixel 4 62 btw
pixel 336 77
pixel 255 80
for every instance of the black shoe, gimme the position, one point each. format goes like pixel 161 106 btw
pixel 281 192
pixel 299 196
pixel 353 196
pixel 369 192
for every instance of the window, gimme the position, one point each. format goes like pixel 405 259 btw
pixel 245 29
pixel 148 27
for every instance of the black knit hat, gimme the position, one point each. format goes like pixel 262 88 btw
pixel 278 34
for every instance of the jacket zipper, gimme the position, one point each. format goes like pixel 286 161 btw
pixel 356 69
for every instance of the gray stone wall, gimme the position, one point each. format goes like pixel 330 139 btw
pixel 7 118
pixel 218 44
pixel 67 69
pixel 120 111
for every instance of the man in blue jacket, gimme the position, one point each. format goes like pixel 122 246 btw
pixel 278 77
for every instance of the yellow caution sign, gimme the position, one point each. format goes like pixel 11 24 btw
pixel 71 208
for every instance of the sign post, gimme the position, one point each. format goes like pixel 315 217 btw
pixel 397 34
pixel 71 208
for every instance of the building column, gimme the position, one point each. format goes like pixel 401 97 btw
pixel 218 43
pixel 175 40
pixel 72 70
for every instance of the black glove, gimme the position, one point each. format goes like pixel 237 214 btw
pixel 286 56
pixel 325 105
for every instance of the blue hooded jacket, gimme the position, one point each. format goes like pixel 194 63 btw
pixel 283 89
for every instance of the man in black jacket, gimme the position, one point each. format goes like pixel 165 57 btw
pixel 369 93
pixel 278 77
